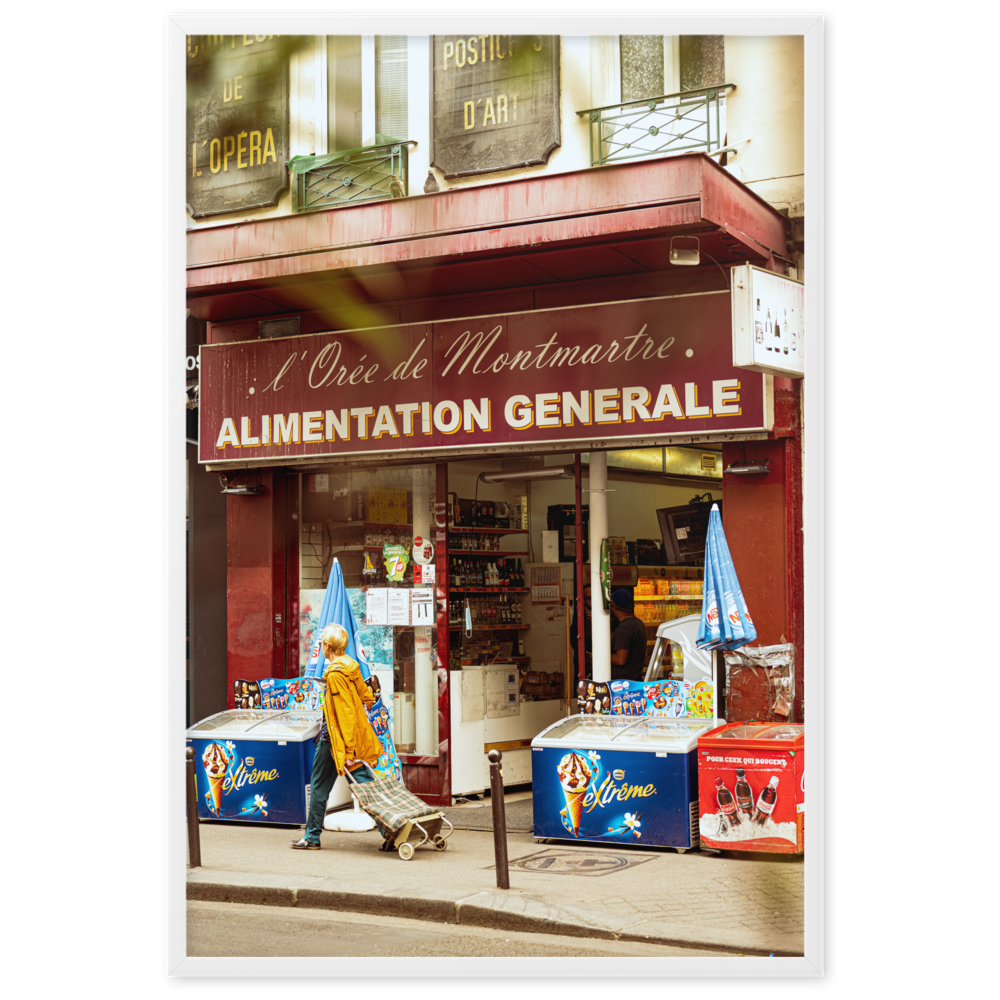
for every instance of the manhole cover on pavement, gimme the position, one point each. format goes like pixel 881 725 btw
pixel 576 862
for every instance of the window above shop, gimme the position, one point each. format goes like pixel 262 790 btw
pixel 367 125
pixel 673 95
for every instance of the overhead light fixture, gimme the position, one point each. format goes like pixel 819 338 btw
pixel 241 491
pixel 685 256
pixel 244 491
pixel 749 468
pixel 549 472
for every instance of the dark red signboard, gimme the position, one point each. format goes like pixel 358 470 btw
pixel 648 368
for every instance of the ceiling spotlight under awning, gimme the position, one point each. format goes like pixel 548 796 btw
pixel 244 491
pixel 241 491
pixel 749 468
pixel 686 256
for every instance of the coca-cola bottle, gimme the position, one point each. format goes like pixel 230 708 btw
pixel 765 803
pixel 744 793
pixel 727 804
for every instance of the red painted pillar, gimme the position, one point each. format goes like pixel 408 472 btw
pixel 762 517
pixel 257 606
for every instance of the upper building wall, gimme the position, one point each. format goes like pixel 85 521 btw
pixel 762 118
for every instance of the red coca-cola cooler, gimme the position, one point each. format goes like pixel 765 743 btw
pixel 751 787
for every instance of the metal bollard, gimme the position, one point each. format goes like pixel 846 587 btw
pixel 499 820
pixel 194 838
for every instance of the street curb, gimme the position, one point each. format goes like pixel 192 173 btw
pixel 495 910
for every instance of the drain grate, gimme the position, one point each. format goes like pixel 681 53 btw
pixel 591 864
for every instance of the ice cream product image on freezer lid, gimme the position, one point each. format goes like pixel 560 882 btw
pixel 575 776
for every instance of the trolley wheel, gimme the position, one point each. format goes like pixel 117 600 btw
pixel 680 850
pixel 406 851
pixel 440 844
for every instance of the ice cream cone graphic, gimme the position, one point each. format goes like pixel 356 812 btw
pixel 575 775
pixel 216 764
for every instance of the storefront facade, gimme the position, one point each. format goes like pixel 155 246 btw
pixel 411 344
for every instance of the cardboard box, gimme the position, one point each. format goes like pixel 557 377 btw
pixel 550 546
pixel 522 502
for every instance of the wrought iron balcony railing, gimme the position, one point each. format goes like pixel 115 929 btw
pixel 351 177
pixel 691 121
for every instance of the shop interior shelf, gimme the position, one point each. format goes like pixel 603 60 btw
pixel 491 553
pixel 368 524
pixel 491 531
pixel 489 590
pixel 487 628
pixel 666 597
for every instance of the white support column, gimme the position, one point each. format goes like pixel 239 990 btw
pixel 424 674
pixel 601 619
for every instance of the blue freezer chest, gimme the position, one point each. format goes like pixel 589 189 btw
pixel 245 779
pixel 632 797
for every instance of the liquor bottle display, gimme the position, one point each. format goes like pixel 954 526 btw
pixel 489 611
pixel 501 572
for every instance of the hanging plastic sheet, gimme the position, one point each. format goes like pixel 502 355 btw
pixel 761 683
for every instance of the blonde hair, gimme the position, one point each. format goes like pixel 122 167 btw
pixel 335 636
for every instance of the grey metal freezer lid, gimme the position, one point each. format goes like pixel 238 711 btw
pixel 257 724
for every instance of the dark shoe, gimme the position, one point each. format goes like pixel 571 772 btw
pixel 304 845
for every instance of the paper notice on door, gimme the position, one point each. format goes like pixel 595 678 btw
pixel 422 606
pixel 399 607
pixel 377 611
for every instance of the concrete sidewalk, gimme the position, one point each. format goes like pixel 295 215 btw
pixel 734 903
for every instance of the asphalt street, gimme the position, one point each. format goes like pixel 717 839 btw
pixel 240 930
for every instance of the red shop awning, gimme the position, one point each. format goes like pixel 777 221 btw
pixel 542 231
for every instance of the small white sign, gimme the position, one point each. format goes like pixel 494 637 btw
pixel 769 322
pixel 422 606
pixel 377 611
pixel 423 550
pixel 399 607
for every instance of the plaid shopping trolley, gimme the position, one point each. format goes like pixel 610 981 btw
pixel 406 821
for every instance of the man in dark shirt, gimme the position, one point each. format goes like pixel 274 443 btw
pixel 628 641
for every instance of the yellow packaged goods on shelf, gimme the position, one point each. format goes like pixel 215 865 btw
pixel 644 588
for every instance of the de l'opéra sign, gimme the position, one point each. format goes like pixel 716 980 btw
pixel 649 368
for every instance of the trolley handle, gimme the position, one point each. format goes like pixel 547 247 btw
pixel 351 780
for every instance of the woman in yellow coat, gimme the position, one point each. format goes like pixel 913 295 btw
pixel 346 738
